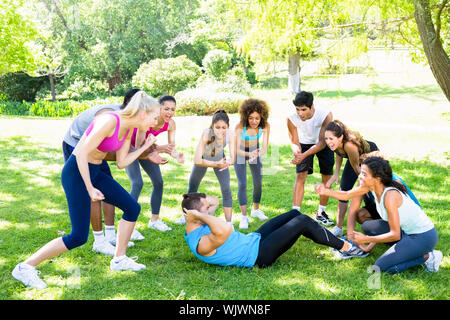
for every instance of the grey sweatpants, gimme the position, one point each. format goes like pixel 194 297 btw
pixel 241 174
pixel 197 175
pixel 154 172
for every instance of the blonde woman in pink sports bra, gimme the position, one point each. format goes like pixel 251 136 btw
pixel 153 170
pixel 84 181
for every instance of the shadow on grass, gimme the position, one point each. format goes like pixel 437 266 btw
pixel 33 209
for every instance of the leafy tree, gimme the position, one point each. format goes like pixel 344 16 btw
pixel 16 30
pixel 109 40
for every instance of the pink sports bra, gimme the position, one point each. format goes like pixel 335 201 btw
pixel 155 133
pixel 112 143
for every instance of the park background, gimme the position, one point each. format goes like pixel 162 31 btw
pixel 370 70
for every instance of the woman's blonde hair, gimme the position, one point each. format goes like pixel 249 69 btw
pixel 140 101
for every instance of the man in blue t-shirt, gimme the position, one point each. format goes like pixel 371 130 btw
pixel 214 241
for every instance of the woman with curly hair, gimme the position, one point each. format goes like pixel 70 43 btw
pixel 346 144
pixel 253 124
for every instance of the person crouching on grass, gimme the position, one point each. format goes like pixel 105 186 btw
pixel 83 182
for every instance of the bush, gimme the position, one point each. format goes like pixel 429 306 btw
pixel 204 101
pixel 162 76
pixel 14 108
pixel 234 80
pixel 217 63
pixel 67 108
pixel 20 86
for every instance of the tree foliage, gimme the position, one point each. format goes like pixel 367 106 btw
pixel 16 29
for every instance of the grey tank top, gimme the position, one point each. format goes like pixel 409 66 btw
pixel 82 121
pixel 214 151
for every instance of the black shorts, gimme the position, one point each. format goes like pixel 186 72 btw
pixel 370 206
pixel 349 176
pixel 325 157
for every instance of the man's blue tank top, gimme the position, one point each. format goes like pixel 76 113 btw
pixel 240 250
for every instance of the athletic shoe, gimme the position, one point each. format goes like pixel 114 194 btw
pixel 353 252
pixel 136 235
pixel 158 225
pixel 434 260
pixel 337 232
pixel 231 224
pixel 258 214
pixel 124 263
pixel 28 275
pixel 104 247
pixel 323 219
pixel 181 220
pixel 244 222
pixel 114 240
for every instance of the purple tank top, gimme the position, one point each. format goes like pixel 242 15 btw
pixel 112 143
pixel 155 133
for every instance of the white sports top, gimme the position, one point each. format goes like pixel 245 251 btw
pixel 308 130
pixel 413 219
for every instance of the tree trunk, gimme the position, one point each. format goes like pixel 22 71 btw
pixel 294 73
pixel 52 86
pixel 437 57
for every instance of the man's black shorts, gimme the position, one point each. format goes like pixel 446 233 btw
pixel 325 157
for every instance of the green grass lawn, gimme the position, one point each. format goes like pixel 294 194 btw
pixel 406 115
pixel 33 211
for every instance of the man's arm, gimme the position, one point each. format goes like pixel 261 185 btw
pixel 293 137
pixel 320 145
pixel 220 231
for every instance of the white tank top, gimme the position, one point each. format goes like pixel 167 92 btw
pixel 308 130
pixel 413 219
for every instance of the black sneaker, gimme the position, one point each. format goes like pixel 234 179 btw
pixel 323 219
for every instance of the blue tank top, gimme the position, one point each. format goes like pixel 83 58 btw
pixel 240 250
pixel 245 136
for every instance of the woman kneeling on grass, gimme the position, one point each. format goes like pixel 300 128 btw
pixel 83 182
pixel 402 222
pixel 214 241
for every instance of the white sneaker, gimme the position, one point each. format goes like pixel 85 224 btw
pixel 244 222
pixel 28 275
pixel 181 220
pixel 434 260
pixel 258 214
pixel 337 231
pixel 136 235
pixel 114 240
pixel 231 224
pixel 104 247
pixel 158 225
pixel 124 263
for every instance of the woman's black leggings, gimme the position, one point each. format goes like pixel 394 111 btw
pixel 280 233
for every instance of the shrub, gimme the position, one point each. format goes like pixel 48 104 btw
pixel 20 86
pixel 162 76
pixel 67 108
pixel 217 63
pixel 234 81
pixel 204 101
pixel 14 108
